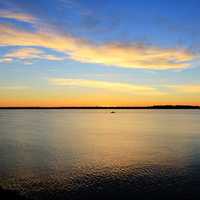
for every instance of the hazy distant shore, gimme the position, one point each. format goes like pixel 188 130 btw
pixel 107 107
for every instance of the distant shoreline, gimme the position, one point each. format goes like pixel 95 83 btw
pixel 109 107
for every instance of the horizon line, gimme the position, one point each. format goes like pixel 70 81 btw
pixel 105 107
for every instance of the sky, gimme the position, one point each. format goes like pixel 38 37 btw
pixel 99 53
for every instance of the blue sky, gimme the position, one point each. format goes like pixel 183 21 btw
pixel 84 52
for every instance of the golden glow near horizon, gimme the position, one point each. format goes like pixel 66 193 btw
pixel 80 92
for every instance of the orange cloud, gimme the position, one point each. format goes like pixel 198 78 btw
pixel 17 16
pixel 30 53
pixel 134 56
pixel 109 54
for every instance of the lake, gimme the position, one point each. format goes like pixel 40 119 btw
pixel 94 154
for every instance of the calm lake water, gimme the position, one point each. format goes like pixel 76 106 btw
pixel 82 154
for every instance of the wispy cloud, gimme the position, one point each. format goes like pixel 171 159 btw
pixel 179 89
pixel 5 60
pixel 116 54
pixel 134 56
pixel 109 54
pixel 113 86
pixel 18 16
pixel 29 54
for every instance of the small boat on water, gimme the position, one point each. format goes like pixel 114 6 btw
pixel 112 112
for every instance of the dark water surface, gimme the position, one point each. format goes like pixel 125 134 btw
pixel 93 154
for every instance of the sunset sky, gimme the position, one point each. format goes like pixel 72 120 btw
pixel 99 53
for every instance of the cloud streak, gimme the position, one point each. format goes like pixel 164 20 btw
pixel 30 54
pixel 109 54
pixel 127 87
pixel 112 86
pixel 17 16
